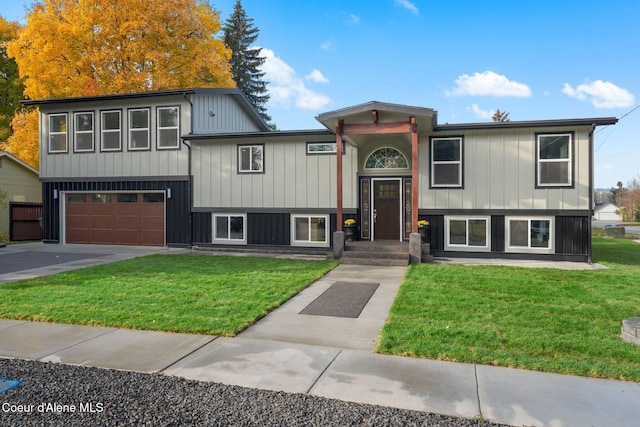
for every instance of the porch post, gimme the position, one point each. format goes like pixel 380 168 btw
pixel 339 130
pixel 414 175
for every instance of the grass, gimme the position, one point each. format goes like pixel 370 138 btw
pixel 539 319
pixel 181 293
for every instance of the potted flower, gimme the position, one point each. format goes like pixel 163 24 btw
pixel 423 229
pixel 349 228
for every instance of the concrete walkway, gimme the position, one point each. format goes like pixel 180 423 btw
pixel 333 357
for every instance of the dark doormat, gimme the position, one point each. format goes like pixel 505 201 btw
pixel 7 384
pixel 342 299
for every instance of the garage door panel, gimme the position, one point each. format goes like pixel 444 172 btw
pixel 118 218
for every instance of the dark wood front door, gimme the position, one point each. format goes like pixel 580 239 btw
pixel 386 205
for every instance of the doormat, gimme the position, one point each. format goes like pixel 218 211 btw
pixel 7 384
pixel 342 299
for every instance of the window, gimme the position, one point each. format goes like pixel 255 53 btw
pixel 554 166
pixel 76 198
pixel 321 148
pixel 467 233
pixel 250 158
pixel 168 124
pixel 83 132
pixel 309 230
pixel 100 198
pixel 530 234
pixel 111 130
pixel 139 129
pixel 127 198
pixel 229 229
pixel 446 162
pixel 58 133
pixel 386 158
pixel 153 198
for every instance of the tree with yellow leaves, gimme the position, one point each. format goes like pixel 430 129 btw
pixel 11 86
pixel 72 48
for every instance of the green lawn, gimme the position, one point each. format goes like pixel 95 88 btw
pixel 181 293
pixel 539 319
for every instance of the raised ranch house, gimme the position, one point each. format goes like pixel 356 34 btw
pixel 199 167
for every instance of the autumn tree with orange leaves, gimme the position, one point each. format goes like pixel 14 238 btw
pixel 71 48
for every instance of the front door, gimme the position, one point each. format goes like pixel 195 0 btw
pixel 386 209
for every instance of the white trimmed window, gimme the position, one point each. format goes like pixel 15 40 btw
pixel 530 234
pixel 58 133
pixel 446 162
pixel 139 129
pixel 554 153
pixel 111 130
pixel 168 128
pixel 230 229
pixel 251 158
pixel 467 233
pixel 309 230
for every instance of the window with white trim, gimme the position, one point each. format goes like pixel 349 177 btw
pixel 230 229
pixel 83 132
pixel 386 158
pixel 139 129
pixel 467 233
pixel 554 153
pixel 168 127
pixel 529 234
pixel 111 130
pixel 251 158
pixel 446 162
pixel 58 133
pixel 309 230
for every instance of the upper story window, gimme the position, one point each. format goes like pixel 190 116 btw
pixel 58 133
pixel 83 132
pixel 386 158
pixel 554 154
pixel 168 127
pixel 139 129
pixel 446 162
pixel 250 158
pixel 111 130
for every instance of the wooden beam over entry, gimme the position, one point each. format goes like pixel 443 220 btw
pixel 376 128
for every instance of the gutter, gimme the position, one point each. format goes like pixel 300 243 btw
pixel 189 172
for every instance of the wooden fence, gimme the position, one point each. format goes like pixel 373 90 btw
pixel 25 218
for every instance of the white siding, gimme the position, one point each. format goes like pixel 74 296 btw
pixel 291 179
pixel 499 173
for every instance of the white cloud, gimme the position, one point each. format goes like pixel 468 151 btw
pixel 317 77
pixel 286 87
pixel 479 112
pixel 601 94
pixel 408 5
pixel 488 83
pixel 326 45
pixel 354 19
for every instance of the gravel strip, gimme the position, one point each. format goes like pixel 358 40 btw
pixel 64 395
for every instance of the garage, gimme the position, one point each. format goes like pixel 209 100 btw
pixel 123 218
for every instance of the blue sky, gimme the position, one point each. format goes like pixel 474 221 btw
pixel 465 59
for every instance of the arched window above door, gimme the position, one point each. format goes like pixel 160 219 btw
pixel 386 158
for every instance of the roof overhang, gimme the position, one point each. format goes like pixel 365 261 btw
pixel 598 121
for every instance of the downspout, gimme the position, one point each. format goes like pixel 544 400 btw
pixel 592 189
pixel 189 177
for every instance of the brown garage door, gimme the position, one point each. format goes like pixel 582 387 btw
pixel 115 218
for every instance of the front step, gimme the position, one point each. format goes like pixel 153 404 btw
pixel 376 253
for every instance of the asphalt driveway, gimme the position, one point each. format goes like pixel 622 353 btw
pixel 29 260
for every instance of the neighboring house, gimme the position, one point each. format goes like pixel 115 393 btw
pixel 21 183
pixel 199 166
pixel 607 212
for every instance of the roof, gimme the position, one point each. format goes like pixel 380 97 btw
pixel 598 121
pixel 20 162
pixel 269 134
pixel 243 101
pixel 376 105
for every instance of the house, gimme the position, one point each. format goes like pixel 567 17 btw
pixel 200 167
pixel 21 183
pixel 607 212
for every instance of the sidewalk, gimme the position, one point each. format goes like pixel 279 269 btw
pixel 332 357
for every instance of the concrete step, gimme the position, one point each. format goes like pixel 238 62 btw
pixel 383 262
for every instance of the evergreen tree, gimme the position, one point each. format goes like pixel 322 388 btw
pixel 239 35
